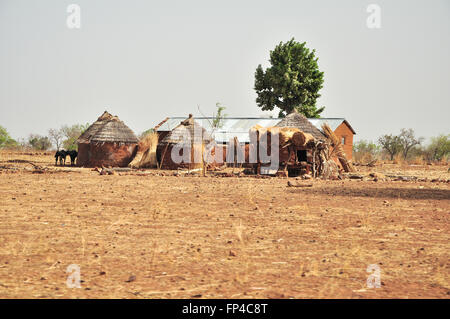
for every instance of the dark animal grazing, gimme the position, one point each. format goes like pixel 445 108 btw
pixel 73 155
pixel 61 156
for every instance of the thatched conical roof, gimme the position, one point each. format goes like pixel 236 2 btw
pixel 297 120
pixel 197 134
pixel 108 128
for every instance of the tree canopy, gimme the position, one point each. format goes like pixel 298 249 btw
pixel 404 142
pixel 408 140
pixel 439 147
pixel 293 80
pixel 391 144
pixel 71 134
pixel 56 136
pixel 39 142
pixel 365 151
pixel 218 117
pixel 5 138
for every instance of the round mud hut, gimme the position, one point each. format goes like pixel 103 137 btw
pixel 299 121
pixel 107 142
pixel 187 136
pixel 306 153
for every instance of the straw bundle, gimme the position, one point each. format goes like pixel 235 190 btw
pixel 329 169
pixel 149 159
pixel 301 138
pixel 137 158
pixel 146 154
pixel 286 134
pixel 338 149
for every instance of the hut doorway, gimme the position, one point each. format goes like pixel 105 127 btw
pixel 301 155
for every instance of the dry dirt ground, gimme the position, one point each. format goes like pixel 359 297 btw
pixel 148 236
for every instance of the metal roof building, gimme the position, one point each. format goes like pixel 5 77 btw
pixel 332 122
pixel 239 126
pixel 231 127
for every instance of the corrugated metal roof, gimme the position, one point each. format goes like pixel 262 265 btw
pixel 332 122
pixel 240 126
pixel 231 127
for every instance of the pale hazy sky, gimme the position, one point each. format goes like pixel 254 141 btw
pixel 145 60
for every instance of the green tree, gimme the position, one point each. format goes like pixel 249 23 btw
pixel 217 121
pixel 439 147
pixel 408 140
pixel 5 139
pixel 365 150
pixel 39 142
pixel 71 134
pixel 391 144
pixel 291 82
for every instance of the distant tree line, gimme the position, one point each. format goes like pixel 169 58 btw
pixel 63 138
pixel 405 146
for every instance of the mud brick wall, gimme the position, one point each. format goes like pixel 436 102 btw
pixel 344 131
pixel 163 154
pixel 105 154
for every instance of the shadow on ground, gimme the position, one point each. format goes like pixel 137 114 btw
pixel 391 192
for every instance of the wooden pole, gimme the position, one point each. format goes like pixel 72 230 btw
pixel 164 154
